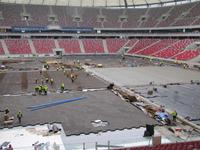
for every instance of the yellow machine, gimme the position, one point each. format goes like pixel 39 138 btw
pixel 99 66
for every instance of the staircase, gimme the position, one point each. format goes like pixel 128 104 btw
pixel 148 46
pixel 5 48
pixel 32 47
pixel 105 47
pixel 81 46
pixel 56 44
pixel 122 50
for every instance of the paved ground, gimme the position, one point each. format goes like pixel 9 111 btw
pixel 76 117
pixel 106 60
pixel 23 82
pixel 110 60
pixel 133 76
pixel 183 98
pixel 16 64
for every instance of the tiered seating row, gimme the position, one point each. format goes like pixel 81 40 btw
pixel 190 17
pixel 11 15
pixel 115 45
pixel 18 46
pixel 157 47
pixel 65 16
pixel 70 46
pixel 44 46
pixel 93 45
pixel 174 13
pixel 39 15
pixel 142 44
pixel 164 48
pixel 187 55
pixel 174 49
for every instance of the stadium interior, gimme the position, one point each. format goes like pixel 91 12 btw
pixel 99 74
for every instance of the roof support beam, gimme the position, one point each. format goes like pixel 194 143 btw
pixel 102 3
pixel 81 3
pixel 133 3
pixel 125 4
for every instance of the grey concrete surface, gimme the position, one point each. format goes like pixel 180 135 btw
pixel 132 76
pixel 182 98
pixel 76 117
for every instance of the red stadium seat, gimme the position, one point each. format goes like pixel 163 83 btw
pixel 70 46
pixel 44 46
pixel 114 45
pixel 93 46
pixel 18 46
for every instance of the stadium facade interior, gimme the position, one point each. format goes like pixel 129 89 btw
pixel 116 74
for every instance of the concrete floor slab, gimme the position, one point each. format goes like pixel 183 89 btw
pixel 76 117
pixel 132 76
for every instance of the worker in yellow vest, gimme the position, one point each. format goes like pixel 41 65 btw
pixel 19 116
pixel 174 115
pixel 62 87
pixel 51 81
pixel 45 89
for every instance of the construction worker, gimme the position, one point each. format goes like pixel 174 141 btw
pixel 174 115
pixel 40 89
pixel 45 88
pixel 63 67
pixel 6 115
pixel 73 77
pixel 47 80
pixel 19 116
pixel 36 81
pixel 42 81
pixel 37 89
pixel 51 81
pixel 47 66
pixel 6 111
pixel 62 87
pixel 9 147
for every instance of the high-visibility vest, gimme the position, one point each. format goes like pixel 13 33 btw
pixel 174 113
pixel 46 88
pixel 62 85
pixel 19 114
pixel 40 88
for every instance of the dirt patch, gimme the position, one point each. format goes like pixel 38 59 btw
pixel 16 61
pixel 24 81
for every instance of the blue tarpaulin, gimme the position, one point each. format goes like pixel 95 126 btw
pixel 54 103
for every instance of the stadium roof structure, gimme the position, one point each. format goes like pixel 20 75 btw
pixel 99 3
